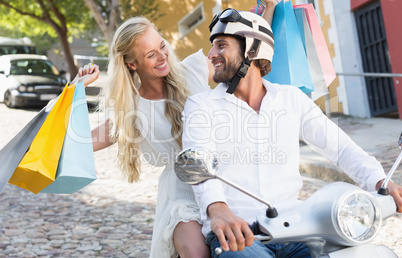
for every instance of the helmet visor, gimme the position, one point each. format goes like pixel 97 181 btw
pixel 228 15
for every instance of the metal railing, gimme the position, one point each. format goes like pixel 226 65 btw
pixel 371 74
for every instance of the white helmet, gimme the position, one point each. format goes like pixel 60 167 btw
pixel 256 31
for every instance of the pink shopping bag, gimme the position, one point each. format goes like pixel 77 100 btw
pixel 320 43
pixel 317 75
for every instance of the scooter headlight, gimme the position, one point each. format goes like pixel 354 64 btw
pixel 358 217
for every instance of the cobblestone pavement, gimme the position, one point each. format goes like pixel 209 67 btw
pixel 108 218
pixel 386 152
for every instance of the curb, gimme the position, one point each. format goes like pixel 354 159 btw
pixel 322 171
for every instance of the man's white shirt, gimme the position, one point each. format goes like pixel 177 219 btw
pixel 260 151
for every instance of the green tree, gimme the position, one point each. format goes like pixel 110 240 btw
pixel 62 19
pixel 42 42
pixel 108 14
pixel 53 18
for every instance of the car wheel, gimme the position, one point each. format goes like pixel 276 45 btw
pixel 7 100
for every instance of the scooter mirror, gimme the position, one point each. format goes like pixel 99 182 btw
pixel 194 166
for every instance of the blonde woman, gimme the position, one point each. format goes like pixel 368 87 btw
pixel 145 94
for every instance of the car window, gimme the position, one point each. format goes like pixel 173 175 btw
pixel 9 50
pixel 33 67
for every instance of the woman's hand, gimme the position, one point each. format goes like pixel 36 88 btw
pixel 270 3
pixel 89 73
pixel 268 11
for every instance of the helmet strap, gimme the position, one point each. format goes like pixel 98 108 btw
pixel 239 75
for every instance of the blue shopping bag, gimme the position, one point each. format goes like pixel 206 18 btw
pixel 289 63
pixel 76 168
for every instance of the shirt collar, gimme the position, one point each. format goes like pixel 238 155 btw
pixel 267 85
pixel 219 92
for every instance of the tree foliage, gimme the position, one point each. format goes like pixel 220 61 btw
pixel 47 21
pixel 52 18
pixel 108 14
pixel 146 8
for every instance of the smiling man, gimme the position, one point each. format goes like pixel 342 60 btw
pixel 226 66
pixel 254 128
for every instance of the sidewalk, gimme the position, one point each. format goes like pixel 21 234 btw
pixel 377 136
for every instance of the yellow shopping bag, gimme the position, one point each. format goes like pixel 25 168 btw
pixel 37 168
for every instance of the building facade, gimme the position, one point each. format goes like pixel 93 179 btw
pixel 369 46
pixel 353 92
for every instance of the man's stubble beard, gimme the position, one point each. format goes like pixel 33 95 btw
pixel 231 67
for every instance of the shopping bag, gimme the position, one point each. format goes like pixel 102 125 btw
pixel 289 63
pixel 317 75
pixel 37 168
pixel 259 8
pixel 76 167
pixel 13 152
pixel 320 43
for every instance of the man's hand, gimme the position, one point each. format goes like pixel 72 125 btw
pixel 228 226
pixel 89 73
pixel 395 191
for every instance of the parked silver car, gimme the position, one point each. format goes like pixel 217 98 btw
pixel 28 80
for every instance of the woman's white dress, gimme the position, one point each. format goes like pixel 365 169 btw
pixel 175 199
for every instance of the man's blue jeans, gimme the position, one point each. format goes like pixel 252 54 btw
pixel 259 250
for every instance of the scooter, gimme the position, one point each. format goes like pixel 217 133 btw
pixel 337 221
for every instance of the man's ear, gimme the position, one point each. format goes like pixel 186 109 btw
pixel 132 67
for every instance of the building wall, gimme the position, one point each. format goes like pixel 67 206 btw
pixel 198 38
pixel 333 104
pixel 393 20
pixel 351 61
pixel 338 99
pixel 175 10
pixel 354 4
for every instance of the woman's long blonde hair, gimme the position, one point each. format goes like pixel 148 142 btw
pixel 120 95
